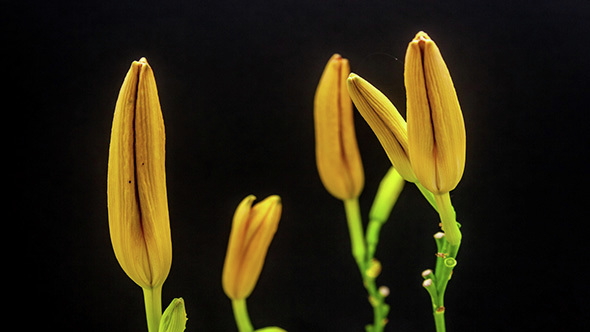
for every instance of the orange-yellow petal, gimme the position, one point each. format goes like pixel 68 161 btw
pixel 253 229
pixel 136 181
pixel 385 121
pixel 337 155
pixel 436 130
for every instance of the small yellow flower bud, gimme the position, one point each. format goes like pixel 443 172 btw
pixel 385 121
pixel 374 268
pixel 253 228
pixel 337 155
pixel 136 184
pixel 436 130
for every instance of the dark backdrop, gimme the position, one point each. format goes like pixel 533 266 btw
pixel 236 82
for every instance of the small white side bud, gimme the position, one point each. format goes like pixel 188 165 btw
pixel 427 274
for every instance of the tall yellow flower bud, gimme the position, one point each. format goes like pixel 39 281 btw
pixel 136 185
pixel 337 155
pixel 385 121
pixel 436 130
pixel 253 229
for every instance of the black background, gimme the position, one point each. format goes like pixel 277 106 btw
pixel 236 81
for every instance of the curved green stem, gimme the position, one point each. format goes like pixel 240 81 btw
pixel 241 315
pixel 153 307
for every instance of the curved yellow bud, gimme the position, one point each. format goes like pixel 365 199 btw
pixel 436 130
pixel 385 121
pixel 253 229
pixel 136 184
pixel 337 154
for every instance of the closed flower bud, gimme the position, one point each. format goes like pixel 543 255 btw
pixel 174 317
pixel 337 155
pixel 136 185
pixel 387 194
pixel 436 130
pixel 253 229
pixel 385 121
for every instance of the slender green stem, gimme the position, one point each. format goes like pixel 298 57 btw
pixel 355 228
pixel 359 252
pixel 241 315
pixel 377 300
pixel 153 307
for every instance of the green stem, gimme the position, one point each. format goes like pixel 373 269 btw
pixel 359 252
pixel 355 228
pixel 372 237
pixel 241 315
pixel 153 307
pixel 377 300
pixel 449 224
pixel 446 261
pixel 439 320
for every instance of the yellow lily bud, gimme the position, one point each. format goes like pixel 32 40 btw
pixel 436 130
pixel 337 154
pixel 136 185
pixel 385 121
pixel 253 229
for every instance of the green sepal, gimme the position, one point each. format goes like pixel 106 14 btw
pixel 428 195
pixel 174 317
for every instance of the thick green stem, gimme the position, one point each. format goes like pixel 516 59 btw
pixel 153 307
pixel 439 320
pixel 241 315
pixel 449 223
pixel 448 247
